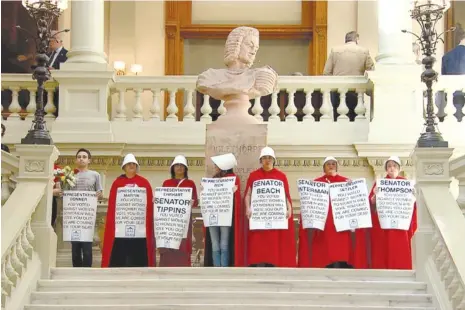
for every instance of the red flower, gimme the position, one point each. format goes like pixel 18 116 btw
pixel 76 170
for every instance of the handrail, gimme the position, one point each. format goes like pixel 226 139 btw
pixel 10 162
pixel 21 207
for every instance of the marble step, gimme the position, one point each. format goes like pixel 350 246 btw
pixel 220 297
pixel 230 273
pixel 218 307
pixel 278 285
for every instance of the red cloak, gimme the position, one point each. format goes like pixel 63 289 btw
pixel 109 236
pixel 273 246
pixel 391 248
pixel 319 249
pixel 236 245
pixel 181 257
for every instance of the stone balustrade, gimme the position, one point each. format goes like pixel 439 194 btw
pixel 439 252
pixel 301 104
pixel 10 168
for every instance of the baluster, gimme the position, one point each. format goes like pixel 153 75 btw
pixel 326 109
pixel 458 297
pixel 10 271
pixel 50 107
pixel 308 108
pixel 291 110
pixel 31 106
pixel 172 109
pixel 221 108
pixel 189 109
pixel 137 109
pixel 155 107
pixel 360 109
pixel 450 109
pixel 25 243
pixel 257 109
pixel 444 267
pixel 6 283
pixel 342 109
pixel 23 258
pixel 206 110
pixel 121 107
pixel 14 107
pixel 274 108
pixel 29 233
pixel 6 186
pixel 16 261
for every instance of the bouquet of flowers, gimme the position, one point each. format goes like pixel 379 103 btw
pixel 65 176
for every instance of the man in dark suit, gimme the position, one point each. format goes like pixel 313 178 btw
pixel 453 63
pixel 57 56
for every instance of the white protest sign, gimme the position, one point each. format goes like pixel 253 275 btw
pixel 268 205
pixel 172 214
pixel 217 199
pixel 131 212
pixel 79 214
pixel 314 203
pixel 350 206
pixel 395 201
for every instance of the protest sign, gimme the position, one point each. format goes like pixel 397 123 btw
pixel 350 206
pixel 217 199
pixel 314 203
pixel 395 201
pixel 79 214
pixel 172 214
pixel 131 212
pixel 268 205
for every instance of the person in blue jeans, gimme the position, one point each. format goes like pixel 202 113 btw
pixel 220 240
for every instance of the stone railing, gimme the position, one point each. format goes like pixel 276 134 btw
pixel 302 104
pixel 439 247
pixel 28 242
pixel 10 168
pixel 457 170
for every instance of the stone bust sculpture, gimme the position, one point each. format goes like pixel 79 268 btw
pixel 238 82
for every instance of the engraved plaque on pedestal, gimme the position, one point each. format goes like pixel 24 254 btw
pixel 245 141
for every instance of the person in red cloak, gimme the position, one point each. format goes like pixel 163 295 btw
pixel 224 245
pixel 391 248
pixel 128 252
pixel 179 178
pixel 270 247
pixel 329 248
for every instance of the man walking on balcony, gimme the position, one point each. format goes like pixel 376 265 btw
pixel 57 57
pixel 453 63
pixel 349 59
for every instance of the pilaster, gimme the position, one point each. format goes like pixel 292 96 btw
pixel 432 170
pixel 36 165
pixel 457 170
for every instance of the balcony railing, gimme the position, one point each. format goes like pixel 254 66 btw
pixel 301 104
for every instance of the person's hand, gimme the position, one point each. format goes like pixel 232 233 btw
pixel 57 192
pixel 288 213
pixel 349 181
pixel 51 68
pixel 234 188
pixel 248 213
pixel 373 200
pixel 100 195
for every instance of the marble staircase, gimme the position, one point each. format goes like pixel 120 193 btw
pixel 229 288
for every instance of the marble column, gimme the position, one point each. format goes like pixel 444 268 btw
pixel 87 32
pixel 394 46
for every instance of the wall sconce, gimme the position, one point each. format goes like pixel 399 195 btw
pixel 136 68
pixel 120 67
